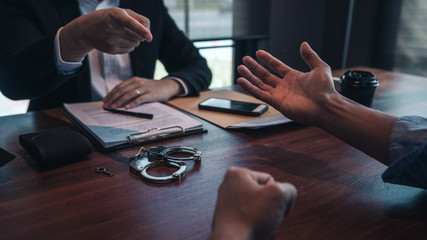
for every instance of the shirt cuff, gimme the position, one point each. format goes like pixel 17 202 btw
pixel 407 150
pixel 179 80
pixel 62 67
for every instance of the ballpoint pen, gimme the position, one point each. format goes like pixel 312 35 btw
pixel 129 113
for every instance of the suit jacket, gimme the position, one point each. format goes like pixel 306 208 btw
pixel 27 64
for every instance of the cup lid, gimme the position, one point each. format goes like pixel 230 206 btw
pixel 359 78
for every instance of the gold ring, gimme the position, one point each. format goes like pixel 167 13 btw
pixel 138 93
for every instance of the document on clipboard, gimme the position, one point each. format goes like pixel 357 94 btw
pixel 111 131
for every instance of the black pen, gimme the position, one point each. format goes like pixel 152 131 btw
pixel 135 114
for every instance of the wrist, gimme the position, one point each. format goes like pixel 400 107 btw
pixel 175 87
pixel 231 231
pixel 361 127
pixel 332 110
pixel 73 46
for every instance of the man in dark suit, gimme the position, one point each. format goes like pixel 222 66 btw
pixel 38 33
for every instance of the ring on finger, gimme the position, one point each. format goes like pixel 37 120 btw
pixel 138 93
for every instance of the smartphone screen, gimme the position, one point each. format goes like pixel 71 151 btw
pixel 232 106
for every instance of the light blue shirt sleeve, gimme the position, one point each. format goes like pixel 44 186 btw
pixel 408 152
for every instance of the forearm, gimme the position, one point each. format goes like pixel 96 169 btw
pixel 364 128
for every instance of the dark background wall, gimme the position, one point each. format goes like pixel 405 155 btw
pixel 323 24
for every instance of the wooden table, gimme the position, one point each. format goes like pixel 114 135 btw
pixel 340 191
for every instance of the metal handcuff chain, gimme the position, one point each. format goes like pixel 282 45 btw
pixel 146 159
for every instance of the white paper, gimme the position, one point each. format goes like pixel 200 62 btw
pixel 112 129
pixel 262 122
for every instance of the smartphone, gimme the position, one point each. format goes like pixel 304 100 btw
pixel 232 106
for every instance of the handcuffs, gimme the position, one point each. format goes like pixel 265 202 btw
pixel 149 158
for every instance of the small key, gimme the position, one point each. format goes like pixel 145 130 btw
pixel 103 170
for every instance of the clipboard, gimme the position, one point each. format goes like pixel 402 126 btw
pixel 110 132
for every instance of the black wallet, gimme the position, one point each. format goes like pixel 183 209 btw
pixel 55 146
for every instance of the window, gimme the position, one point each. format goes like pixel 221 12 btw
pixel 410 54
pixel 9 107
pixel 209 24
pixel 202 19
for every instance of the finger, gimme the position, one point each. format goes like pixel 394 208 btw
pixel 146 97
pixel 254 85
pixel 130 35
pixel 263 178
pixel 238 172
pixel 117 50
pixel 121 94
pixel 125 50
pixel 260 178
pixel 260 71
pixel 126 98
pixel 289 192
pixel 246 73
pixel 112 95
pixel 125 20
pixel 310 56
pixel 274 63
pixel 120 46
pixel 255 91
pixel 125 85
pixel 126 43
pixel 144 21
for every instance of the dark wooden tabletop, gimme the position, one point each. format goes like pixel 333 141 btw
pixel 340 191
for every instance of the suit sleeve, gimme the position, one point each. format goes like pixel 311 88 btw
pixel 27 66
pixel 181 59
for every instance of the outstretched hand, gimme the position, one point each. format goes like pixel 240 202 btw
pixel 297 95
pixel 112 30
pixel 310 98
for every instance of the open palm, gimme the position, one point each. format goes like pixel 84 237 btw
pixel 297 95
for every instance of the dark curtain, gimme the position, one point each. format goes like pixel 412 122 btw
pixel 323 24
pixel 251 21
pixel 374 33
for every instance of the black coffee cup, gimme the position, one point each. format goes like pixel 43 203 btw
pixel 359 86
